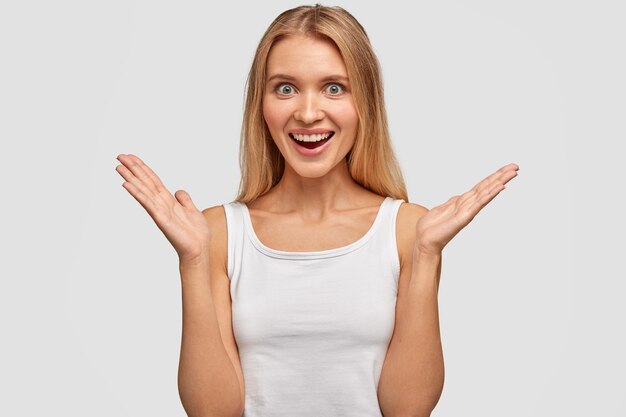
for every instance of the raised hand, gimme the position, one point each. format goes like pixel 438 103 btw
pixel 177 217
pixel 437 227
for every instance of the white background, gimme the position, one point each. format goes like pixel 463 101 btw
pixel 531 298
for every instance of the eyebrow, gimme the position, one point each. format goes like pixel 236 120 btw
pixel 325 79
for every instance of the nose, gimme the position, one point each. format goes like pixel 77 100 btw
pixel 309 110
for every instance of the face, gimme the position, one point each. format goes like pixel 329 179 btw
pixel 308 106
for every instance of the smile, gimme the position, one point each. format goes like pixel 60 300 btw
pixel 311 138
pixel 311 143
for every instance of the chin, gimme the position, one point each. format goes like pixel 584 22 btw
pixel 312 172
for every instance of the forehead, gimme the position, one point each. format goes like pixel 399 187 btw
pixel 305 56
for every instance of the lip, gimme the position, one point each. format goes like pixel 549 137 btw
pixel 311 152
pixel 318 131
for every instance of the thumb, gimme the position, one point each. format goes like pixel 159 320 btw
pixel 184 199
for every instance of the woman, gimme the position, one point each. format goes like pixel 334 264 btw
pixel 314 293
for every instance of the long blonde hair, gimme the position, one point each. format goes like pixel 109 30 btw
pixel 371 161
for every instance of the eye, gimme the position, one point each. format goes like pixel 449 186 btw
pixel 335 89
pixel 285 89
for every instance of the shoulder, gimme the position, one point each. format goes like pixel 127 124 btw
pixel 411 212
pixel 218 247
pixel 408 215
pixel 215 216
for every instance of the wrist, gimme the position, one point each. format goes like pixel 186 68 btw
pixel 422 254
pixel 425 271
pixel 194 262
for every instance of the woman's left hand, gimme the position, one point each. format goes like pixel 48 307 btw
pixel 440 224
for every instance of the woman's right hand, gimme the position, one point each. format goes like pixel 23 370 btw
pixel 177 217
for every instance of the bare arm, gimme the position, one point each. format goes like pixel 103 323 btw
pixel 413 374
pixel 413 377
pixel 207 382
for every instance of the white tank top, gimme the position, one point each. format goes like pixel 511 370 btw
pixel 313 328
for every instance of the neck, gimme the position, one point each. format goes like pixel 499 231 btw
pixel 314 197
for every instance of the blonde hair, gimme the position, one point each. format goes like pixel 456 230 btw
pixel 371 161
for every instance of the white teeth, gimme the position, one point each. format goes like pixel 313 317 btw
pixel 311 138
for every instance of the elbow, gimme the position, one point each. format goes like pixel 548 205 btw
pixel 217 413
pixel 422 414
pixel 214 414
pixel 417 413
pixel 239 412
pixel 200 407
pixel 420 406
pixel 425 408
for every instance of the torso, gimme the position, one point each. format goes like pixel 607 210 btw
pixel 284 232
pixel 287 231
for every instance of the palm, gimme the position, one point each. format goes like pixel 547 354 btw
pixel 177 217
pixel 439 225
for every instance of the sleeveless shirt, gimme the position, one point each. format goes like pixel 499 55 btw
pixel 312 328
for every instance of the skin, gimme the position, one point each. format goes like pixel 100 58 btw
pixel 300 93
pixel 316 195
pixel 312 185
pixel 307 87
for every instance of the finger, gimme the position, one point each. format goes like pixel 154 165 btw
pixel 131 172
pixel 486 180
pixel 150 173
pixel 131 178
pixel 503 170
pixel 185 199
pixel 478 197
pixel 508 176
pixel 141 198
pixel 486 197
pixel 141 172
pixel 503 175
pixel 134 164
pixel 154 177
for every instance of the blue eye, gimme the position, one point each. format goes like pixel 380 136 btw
pixel 284 89
pixel 334 89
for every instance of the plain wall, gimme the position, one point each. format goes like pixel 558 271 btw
pixel 531 308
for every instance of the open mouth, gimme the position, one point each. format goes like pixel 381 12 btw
pixel 311 141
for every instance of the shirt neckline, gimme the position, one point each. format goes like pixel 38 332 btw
pixel 328 253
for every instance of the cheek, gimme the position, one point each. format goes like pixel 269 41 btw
pixel 347 116
pixel 267 113
pixel 273 116
pixel 348 119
